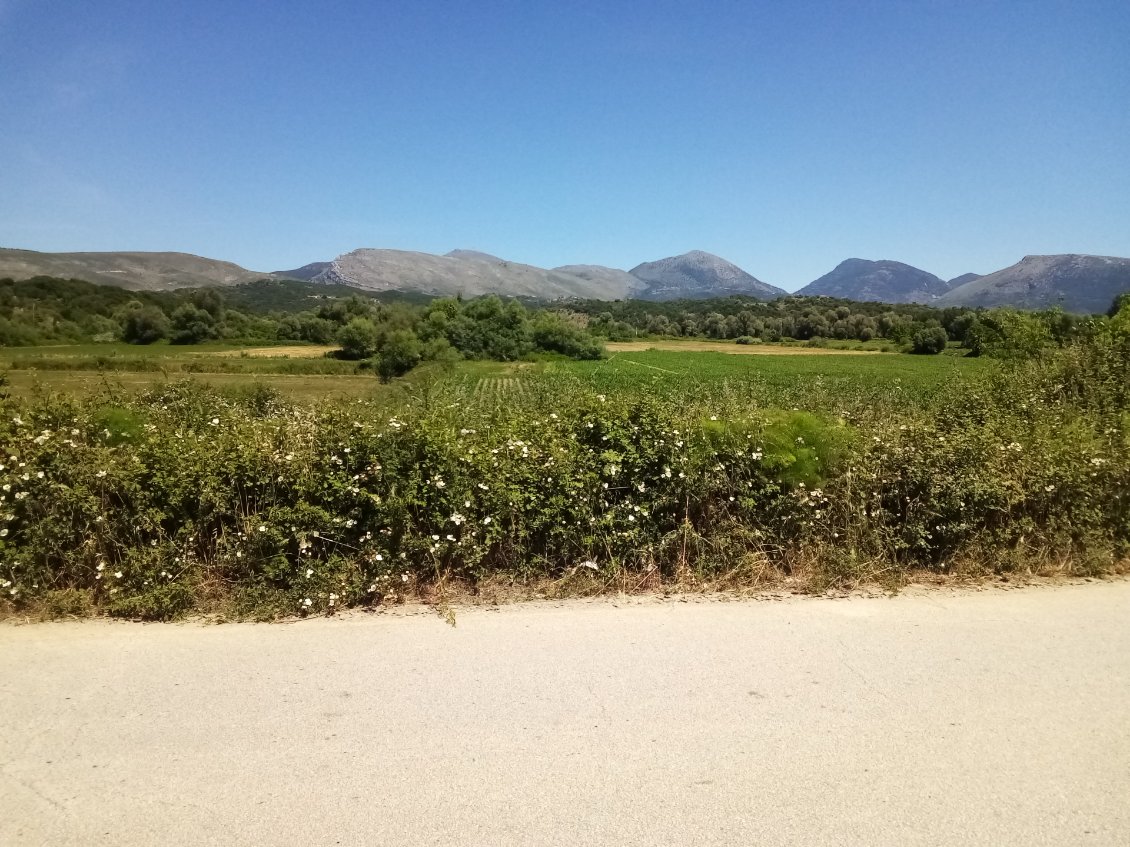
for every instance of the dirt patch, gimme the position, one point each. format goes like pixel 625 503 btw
pixel 734 349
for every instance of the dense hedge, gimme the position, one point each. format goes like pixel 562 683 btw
pixel 187 499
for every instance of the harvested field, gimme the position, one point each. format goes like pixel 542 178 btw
pixel 290 351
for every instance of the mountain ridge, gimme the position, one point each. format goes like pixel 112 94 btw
pixel 882 280
pixel 1076 282
pixel 135 270
pixel 699 275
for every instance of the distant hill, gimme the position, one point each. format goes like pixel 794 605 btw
pixel 284 294
pixel 306 272
pixel 402 270
pixel 138 271
pixel 1076 283
pixel 619 285
pixel 473 254
pixel 880 281
pixel 698 275
pixel 961 280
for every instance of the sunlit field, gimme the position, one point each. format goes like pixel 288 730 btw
pixel 776 376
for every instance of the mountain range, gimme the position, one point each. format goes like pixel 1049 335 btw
pixel 1076 283
pixel 137 271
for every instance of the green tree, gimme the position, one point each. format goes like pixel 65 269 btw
pixel 400 353
pixel 1008 334
pixel 929 341
pixel 144 325
pixel 358 339
pixel 553 333
pixel 192 325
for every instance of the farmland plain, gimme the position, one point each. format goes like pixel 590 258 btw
pixel 770 374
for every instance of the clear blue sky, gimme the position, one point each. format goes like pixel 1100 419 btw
pixel 784 136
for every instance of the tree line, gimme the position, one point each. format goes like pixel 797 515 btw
pixel 395 333
pixel 915 327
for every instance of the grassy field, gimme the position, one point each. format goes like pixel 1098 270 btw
pixel 700 346
pixel 757 374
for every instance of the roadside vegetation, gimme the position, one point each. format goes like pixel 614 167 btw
pixel 644 471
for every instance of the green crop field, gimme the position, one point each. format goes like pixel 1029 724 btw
pixel 802 381
pixel 816 381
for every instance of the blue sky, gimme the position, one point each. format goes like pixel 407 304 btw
pixel 784 136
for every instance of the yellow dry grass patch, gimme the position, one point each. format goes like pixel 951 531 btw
pixel 732 348
pixel 296 351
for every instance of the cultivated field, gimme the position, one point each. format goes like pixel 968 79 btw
pixel 174 481
pixel 772 374
pixel 698 346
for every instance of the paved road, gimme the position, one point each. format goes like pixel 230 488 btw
pixel 994 717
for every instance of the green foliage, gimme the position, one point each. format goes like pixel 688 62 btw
pixel 184 497
pixel 358 339
pixel 1008 334
pixel 144 324
pixel 929 341
pixel 400 352
pixel 553 333
pixel 192 325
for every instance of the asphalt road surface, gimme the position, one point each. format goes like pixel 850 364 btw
pixel 985 718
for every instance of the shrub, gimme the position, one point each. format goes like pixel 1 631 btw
pixel 144 325
pixel 358 339
pixel 929 341
pixel 400 352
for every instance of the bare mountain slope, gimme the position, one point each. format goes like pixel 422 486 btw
pixel 961 280
pixel 305 272
pixel 402 270
pixel 138 271
pixel 619 285
pixel 699 275
pixel 1077 283
pixel 883 281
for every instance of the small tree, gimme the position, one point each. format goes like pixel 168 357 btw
pixel 400 353
pixel 144 325
pixel 358 339
pixel 929 341
pixel 191 325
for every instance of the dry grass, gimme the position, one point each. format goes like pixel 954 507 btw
pixel 731 348
pixel 292 351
